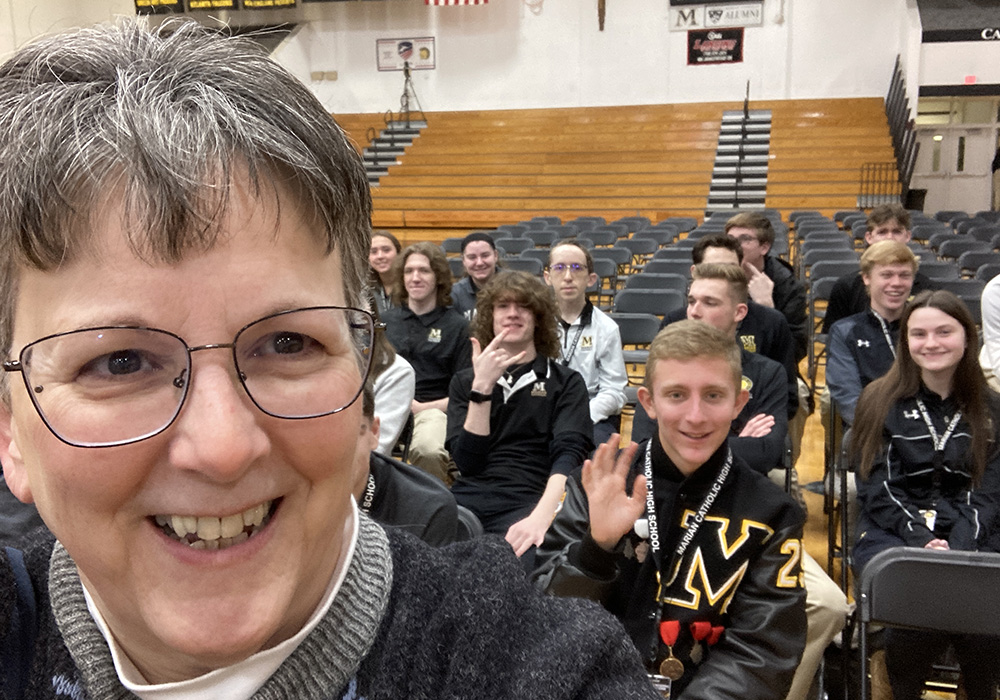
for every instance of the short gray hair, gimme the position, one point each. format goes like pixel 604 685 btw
pixel 170 117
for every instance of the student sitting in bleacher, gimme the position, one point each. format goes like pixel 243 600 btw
pixel 849 296
pixel 518 420
pixel 925 445
pixel 695 552
pixel 590 341
pixel 862 347
pixel 434 339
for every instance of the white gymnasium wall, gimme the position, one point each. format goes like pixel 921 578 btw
pixel 509 55
pixel 23 20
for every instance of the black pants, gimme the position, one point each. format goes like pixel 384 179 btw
pixel 910 654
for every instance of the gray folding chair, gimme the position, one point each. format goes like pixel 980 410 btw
pixel 930 589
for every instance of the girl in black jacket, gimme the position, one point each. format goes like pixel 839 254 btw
pixel 925 447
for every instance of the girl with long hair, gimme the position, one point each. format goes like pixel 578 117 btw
pixel 925 449
pixel 382 252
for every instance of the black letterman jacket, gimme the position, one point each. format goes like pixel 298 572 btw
pixel 742 571
pixel 905 480
pixel 857 354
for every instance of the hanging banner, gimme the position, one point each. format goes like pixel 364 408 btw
pixel 158 7
pixel 211 5
pixel 714 46
pixel 267 4
pixel 391 54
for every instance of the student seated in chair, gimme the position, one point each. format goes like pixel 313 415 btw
pixel 518 420
pixel 398 494
pixel 861 347
pixel 927 450
pixel 434 339
pixel 589 339
pixel 696 553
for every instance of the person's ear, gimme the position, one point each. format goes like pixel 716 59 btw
pixel 741 312
pixel 741 401
pixel 765 248
pixel 14 472
pixel 591 279
pixel 645 398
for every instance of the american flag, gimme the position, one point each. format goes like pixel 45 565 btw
pixel 456 2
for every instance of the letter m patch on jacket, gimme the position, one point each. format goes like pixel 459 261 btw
pixel 716 562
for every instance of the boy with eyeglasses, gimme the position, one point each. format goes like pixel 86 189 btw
pixel 185 231
pixel 590 341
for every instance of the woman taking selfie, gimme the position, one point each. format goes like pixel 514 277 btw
pixel 925 448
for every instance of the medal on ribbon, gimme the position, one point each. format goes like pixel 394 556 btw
pixel 671 667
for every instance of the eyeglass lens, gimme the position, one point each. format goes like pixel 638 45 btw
pixel 107 386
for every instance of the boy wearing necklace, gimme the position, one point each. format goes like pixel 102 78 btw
pixel 862 347
pixel 591 343
pixel 698 555
pixel 518 420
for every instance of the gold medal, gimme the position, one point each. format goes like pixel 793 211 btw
pixel 671 667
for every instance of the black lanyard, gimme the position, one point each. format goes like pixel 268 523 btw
pixel 885 332
pixel 576 341
pixel 692 529
pixel 686 538
pixel 369 496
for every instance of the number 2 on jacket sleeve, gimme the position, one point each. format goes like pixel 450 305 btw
pixel 790 574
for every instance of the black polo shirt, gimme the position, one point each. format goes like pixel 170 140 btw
pixel 436 344
pixel 540 426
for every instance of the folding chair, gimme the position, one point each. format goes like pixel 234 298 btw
pixel 668 267
pixel 607 273
pixel 940 270
pixel 952 248
pixel 621 256
pixel 683 223
pixel 514 246
pixel 962 288
pixel 833 268
pixel 452 246
pixel 673 253
pixel 987 272
pixel 597 237
pixel 634 223
pixel 539 254
pixel 984 232
pixel 658 302
pixel 562 231
pixel 642 250
pixel 514 230
pixel 663 236
pixel 945 216
pixel 637 331
pixel 931 589
pixel 541 239
pixel 819 295
pixel 647 280
pixel 457 268
pixel 972 260
pixel 532 267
